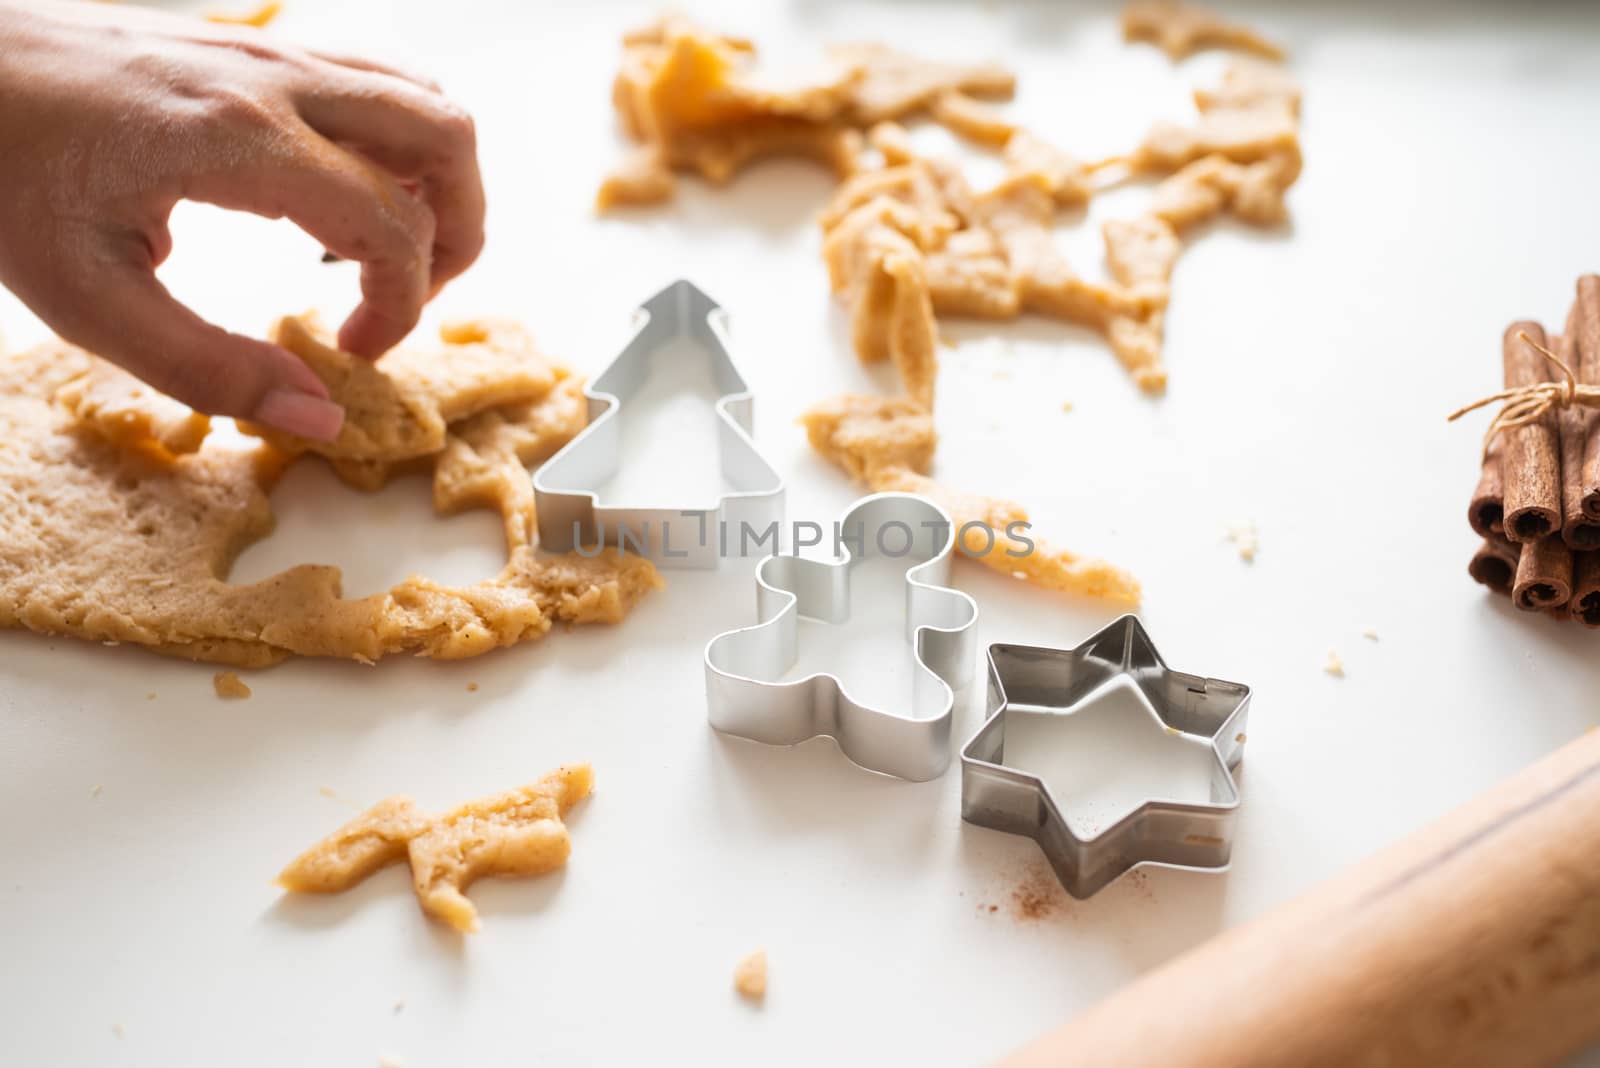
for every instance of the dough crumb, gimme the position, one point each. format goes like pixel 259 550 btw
pixel 229 684
pixel 1243 535
pixel 472 687
pixel 750 976
pixel 1066 406
pixel 1371 634
pixel 149 697
pixel 116 1029
pixel 1334 664
pixel 399 1005
pixel 519 832
pixel 94 791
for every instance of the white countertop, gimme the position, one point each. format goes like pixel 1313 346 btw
pixel 1449 188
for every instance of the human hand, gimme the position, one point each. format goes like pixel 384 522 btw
pixel 112 115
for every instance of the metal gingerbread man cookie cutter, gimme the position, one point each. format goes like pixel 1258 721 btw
pixel 1177 834
pixel 747 695
pixel 698 534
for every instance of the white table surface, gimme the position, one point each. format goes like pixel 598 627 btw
pixel 1449 188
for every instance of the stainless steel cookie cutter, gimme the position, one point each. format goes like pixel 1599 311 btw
pixel 1169 833
pixel 744 667
pixel 566 488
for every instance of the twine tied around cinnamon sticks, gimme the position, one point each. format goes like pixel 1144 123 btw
pixel 1529 404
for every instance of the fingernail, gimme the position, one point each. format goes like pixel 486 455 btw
pixel 300 414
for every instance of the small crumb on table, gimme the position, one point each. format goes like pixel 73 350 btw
pixel 389 1062
pixel 150 697
pixel 1371 634
pixel 1334 664
pixel 1243 535
pixel 750 976
pixel 472 687
pixel 1066 406
pixel 229 684
pixel 94 791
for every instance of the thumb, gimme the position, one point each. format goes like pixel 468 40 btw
pixel 138 324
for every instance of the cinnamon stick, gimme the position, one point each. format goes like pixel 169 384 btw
pixel 1544 574
pixel 1585 331
pixel 1495 564
pixel 1577 425
pixel 1487 512
pixel 1530 463
pixel 1586 589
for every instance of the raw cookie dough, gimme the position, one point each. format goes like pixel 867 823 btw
pixel 1181 29
pixel 112 543
pixel 130 414
pixel 519 832
pixel 690 99
pixel 750 976
pixel 229 684
pixel 885 443
pixel 398 408
pixel 913 240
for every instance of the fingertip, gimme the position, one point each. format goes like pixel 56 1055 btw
pixel 299 414
pixel 370 334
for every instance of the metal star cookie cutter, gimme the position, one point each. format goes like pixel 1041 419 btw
pixel 567 488
pixel 744 668
pixel 1176 834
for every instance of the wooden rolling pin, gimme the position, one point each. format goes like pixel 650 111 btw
pixel 1475 942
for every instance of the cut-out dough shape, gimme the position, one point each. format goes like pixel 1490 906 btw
pixel 744 667
pixel 519 832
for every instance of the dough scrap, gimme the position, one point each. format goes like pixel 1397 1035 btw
pixel 863 434
pixel 1001 548
pixel 750 976
pixel 519 832
pixel 693 103
pixel 966 117
pixel 127 544
pixel 913 240
pixel 1253 114
pixel 1181 29
pixel 887 444
pixel 398 408
pixel 229 684
pixel 130 414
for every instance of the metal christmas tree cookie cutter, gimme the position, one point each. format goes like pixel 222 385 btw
pixel 1178 834
pixel 700 534
pixel 747 695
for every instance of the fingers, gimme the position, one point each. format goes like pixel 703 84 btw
pixel 357 211
pixel 418 136
pixel 373 67
pixel 140 326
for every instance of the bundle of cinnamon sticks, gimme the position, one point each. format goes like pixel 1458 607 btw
pixel 1537 505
